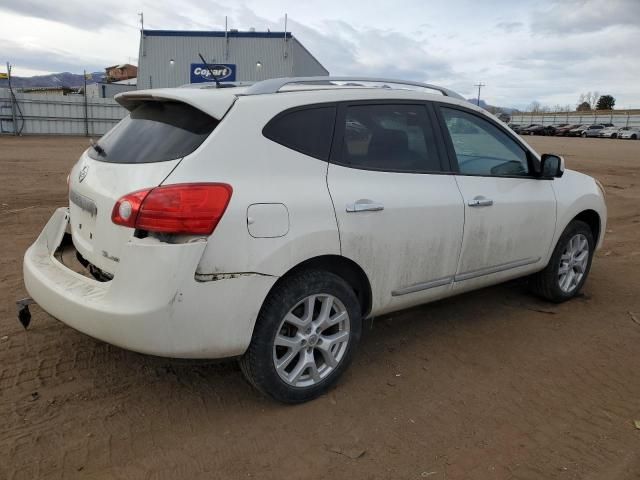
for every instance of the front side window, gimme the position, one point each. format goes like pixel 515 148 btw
pixel 388 137
pixel 307 130
pixel 482 148
pixel 155 132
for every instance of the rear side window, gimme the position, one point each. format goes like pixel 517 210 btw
pixel 388 137
pixel 307 130
pixel 155 132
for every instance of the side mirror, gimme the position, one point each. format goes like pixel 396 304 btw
pixel 551 166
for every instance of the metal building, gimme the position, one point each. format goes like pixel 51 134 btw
pixel 169 58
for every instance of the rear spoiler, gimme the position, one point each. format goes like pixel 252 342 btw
pixel 211 102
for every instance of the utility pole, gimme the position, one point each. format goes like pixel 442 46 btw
pixel 479 85
pixel 13 99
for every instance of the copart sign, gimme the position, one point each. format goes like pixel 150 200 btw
pixel 225 72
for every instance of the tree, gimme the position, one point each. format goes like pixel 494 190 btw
pixel 591 98
pixel 534 106
pixel 583 107
pixel 606 102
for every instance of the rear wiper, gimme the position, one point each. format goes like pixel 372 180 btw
pixel 101 151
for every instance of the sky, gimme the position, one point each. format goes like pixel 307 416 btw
pixel 548 51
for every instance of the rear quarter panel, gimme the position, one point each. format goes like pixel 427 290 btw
pixel 262 171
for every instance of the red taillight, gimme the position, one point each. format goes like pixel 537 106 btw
pixel 188 208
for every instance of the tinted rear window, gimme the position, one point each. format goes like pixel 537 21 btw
pixel 308 130
pixel 155 132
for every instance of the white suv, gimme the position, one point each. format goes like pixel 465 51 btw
pixel 267 221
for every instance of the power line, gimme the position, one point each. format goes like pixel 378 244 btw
pixel 479 85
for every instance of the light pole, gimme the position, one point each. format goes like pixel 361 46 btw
pixel 479 85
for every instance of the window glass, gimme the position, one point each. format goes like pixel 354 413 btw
pixel 308 131
pixel 155 132
pixel 388 137
pixel 482 148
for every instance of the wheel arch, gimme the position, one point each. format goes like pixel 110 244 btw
pixel 591 218
pixel 341 266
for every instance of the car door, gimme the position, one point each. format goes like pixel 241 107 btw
pixel 399 212
pixel 510 214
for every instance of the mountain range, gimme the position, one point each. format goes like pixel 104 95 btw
pixel 64 79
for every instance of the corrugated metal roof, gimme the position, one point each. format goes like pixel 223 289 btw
pixel 206 33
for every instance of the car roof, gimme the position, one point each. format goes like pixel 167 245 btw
pixel 216 101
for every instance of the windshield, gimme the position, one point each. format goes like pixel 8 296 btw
pixel 154 132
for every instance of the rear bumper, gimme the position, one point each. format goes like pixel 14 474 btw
pixel 153 305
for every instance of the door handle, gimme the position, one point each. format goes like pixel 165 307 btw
pixel 364 205
pixel 480 201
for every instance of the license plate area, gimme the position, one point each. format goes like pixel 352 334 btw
pixel 83 216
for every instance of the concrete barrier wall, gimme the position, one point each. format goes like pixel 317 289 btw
pixel 40 114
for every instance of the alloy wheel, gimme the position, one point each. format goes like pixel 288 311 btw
pixel 312 339
pixel 573 263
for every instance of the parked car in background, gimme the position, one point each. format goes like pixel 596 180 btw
pixel 520 128
pixel 592 131
pixel 632 133
pixel 609 132
pixel 533 129
pixel 564 131
pixel 576 132
pixel 516 127
pixel 208 223
pixel 552 129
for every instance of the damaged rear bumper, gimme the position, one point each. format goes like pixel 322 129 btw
pixel 153 304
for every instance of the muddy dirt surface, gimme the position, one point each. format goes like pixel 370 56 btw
pixel 489 385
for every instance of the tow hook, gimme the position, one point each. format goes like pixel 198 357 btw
pixel 24 315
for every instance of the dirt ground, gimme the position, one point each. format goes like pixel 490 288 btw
pixel 489 385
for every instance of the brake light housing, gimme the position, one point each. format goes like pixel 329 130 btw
pixel 185 208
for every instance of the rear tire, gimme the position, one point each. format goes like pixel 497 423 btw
pixel 305 336
pixel 569 266
pixel 634 137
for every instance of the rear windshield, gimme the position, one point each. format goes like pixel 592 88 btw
pixel 155 132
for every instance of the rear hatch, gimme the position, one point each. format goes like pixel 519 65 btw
pixel 138 153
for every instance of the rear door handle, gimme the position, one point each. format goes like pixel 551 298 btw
pixel 480 201
pixel 364 205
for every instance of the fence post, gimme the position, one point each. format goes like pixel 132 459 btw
pixel 86 107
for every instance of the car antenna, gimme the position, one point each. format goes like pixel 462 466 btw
pixel 215 79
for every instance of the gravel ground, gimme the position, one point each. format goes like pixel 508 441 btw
pixel 494 384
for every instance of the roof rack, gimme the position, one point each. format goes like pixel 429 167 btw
pixel 273 85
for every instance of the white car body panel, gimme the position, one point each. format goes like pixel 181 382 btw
pixel 577 193
pixel 95 236
pixel 200 296
pixel 409 249
pixel 268 173
pixel 214 102
pixel 171 315
pixel 515 232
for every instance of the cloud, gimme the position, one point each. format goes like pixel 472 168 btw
pixel 565 17
pixel 509 27
pixel 49 59
pixel 84 15
pixel 550 51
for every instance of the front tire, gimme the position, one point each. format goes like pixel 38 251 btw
pixel 304 338
pixel 569 266
pixel 584 135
